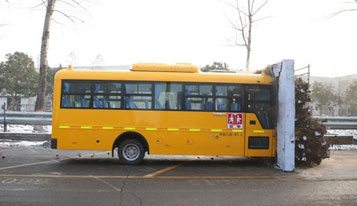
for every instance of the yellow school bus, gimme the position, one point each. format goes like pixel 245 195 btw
pixel 164 110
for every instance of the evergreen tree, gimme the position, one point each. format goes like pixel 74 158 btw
pixel 310 146
pixel 18 76
pixel 215 66
pixel 351 97
pixel 324 97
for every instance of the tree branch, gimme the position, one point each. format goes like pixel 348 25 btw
pixel 64 14
pixel 67 3
pixel 43 3
pixel 236 8
pixel 242 24
pixel 340 12
pixel 254 21
pixel 259 8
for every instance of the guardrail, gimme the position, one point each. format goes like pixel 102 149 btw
pixel 45 118
pixel 338 122
pixel 25 118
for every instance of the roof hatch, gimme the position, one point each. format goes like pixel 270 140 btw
pixel 149 67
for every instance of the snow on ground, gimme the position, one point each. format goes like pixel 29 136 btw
pixel 343 147
pixel 6 143
pixel 25 129
pixel 352 132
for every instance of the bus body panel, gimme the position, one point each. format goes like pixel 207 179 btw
pixel 167 132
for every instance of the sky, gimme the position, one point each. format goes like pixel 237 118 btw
pixel 122 32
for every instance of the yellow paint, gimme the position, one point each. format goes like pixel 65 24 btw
pixel 129 128
pixel 162 171
pixel 150 177
pixel 181 132
pixel 258 131
pixel 30 164
pixel 64 127
pixel 107 127
pixel 86 127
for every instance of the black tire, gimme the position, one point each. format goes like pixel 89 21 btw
pixel 131 152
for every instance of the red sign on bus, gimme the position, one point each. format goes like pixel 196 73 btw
pixel 235 120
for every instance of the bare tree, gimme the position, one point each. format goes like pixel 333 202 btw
pixel 41 91
pixel 51 6
pixel 246 17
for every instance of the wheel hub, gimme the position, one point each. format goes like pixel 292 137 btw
pixel 131 152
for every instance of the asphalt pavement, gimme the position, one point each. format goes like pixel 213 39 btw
pixel 40 176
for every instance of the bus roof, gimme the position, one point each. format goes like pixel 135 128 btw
pixel 162 72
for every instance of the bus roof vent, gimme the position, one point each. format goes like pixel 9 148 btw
pixel 149 67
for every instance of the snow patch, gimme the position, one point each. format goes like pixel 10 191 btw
pixel 301 146
pixel 10 143
pixel 343 147
pixel 24 129
pixel 348 132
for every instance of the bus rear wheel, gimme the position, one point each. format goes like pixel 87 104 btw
pixel 131 152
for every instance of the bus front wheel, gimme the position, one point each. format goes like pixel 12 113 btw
pixel 131 152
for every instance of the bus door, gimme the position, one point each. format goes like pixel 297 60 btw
pixel 259 121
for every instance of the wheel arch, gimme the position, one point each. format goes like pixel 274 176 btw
pixel 130 135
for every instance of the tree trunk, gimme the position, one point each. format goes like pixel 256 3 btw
pixel 249 41
pixel 41 92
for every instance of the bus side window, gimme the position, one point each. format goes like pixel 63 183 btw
pixel 168 96
pixel 65 99
pixel 138 95
pixel 159 91
pixel 199 97
pixel 128 104
pixel 228 98
pixel 74 93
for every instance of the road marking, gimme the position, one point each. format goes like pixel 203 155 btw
pixel 44 162
pixel 31 164
pixel 162 171
pixel 143 177
pixel 108 184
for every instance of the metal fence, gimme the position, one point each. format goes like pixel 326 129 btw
pixel 45 118
pixel 25 118
pixel 339 122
